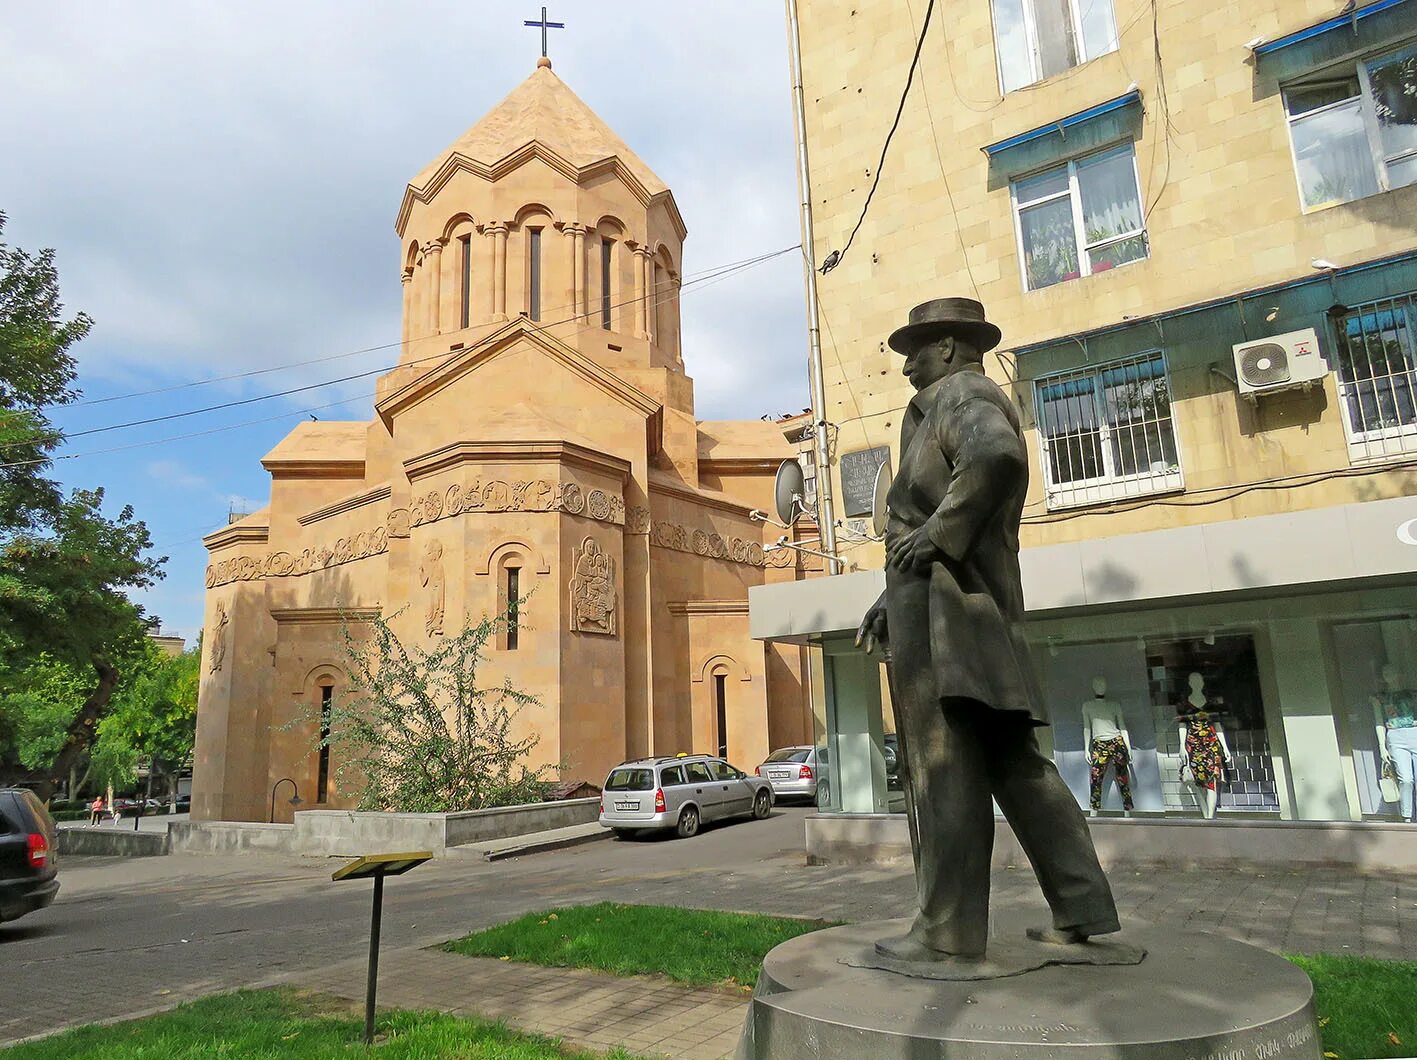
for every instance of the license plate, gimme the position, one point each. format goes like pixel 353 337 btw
pixel 780 776
pixel 627 805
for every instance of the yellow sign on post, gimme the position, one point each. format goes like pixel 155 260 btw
pixel 375 867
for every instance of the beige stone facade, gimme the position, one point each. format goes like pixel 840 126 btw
pixel 538 436
pixel 1223 219
pixel 1139 193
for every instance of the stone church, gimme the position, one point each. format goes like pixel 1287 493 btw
pixel 536 440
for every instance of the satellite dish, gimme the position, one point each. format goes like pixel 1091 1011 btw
pixel 788 490
pixel 878 498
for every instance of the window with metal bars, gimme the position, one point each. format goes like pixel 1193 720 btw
pixel 1107 432
pixel 1377 377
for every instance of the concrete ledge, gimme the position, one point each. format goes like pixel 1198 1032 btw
pixel 111 843
pixel 853 839
pixel 346 833
pixel 349 833
pixel 230 837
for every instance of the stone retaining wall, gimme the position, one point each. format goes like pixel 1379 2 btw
pixel 348 833
pixel 111 842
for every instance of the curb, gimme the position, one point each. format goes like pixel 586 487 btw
pixel 502 853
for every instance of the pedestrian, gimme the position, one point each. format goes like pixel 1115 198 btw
pixel 95 810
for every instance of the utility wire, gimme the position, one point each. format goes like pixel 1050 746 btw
pixel 707 281
pixel 834 258
pixel 694 278
pixel 709 276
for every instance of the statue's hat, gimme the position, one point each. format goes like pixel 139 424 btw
pixel 963 317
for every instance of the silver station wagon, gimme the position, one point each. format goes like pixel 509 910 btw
pixel 679 793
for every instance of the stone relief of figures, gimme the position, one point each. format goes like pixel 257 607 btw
pixel 218 637
pixel 430 576
pixel 594 601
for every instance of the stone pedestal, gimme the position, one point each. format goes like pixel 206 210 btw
pixel 1194 997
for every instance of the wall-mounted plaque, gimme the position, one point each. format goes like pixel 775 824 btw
pixel 858 478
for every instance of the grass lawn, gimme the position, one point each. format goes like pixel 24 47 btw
pixel 292 1026
pixel 1367 1008
pixel 694 946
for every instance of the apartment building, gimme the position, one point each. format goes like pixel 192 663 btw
pixel 1196 223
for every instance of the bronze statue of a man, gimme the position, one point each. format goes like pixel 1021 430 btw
pixel 965 693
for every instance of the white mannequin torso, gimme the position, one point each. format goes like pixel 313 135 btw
pixel 1102 720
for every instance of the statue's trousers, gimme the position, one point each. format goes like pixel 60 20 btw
pixel 959 755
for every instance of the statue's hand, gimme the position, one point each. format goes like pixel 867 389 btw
pixel 872 631
pixel 912 551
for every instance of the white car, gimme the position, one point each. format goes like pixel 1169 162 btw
pixel 792 772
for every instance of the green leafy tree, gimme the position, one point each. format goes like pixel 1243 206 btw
pixel 66 568
pixel 153 717
pixel 416 732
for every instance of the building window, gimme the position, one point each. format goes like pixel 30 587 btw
pixel 466 304
pixel 607 258
pixel 514 594
pixel 1354 131
pixel 1039 38
pixel 1377 377
pixel 1107 432
pixel 533 287
pixel 720 702
pixel 322 783
pixel 1079 218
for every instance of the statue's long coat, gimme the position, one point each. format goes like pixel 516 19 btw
pixel 963 475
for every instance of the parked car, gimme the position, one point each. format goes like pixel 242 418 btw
pixel 792 772
pixel 29 873
pixel 679 793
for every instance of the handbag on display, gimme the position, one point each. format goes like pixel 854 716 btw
pixel 1387 786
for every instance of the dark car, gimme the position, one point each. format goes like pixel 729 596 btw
pixel 29 875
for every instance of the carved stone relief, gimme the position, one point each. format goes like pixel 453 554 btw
pixel 218 636
pixel 430 576
pixel 594 601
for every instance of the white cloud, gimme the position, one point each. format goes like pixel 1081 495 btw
pixel 175 474
pixel 221 180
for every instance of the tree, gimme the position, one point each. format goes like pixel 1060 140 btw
pixel 65 567
pixel 416 733
pixel 153 717
pixel 36 373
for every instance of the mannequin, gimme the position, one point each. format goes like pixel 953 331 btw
pixel 1104 734
pixel 1205 754
pixel 1395 711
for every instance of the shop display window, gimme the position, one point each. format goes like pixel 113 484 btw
pixel 1149 695
pixel 1377 670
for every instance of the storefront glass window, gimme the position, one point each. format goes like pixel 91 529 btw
pixel 1145 709
pixel 1377 668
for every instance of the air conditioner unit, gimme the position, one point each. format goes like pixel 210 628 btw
pixel 1279 362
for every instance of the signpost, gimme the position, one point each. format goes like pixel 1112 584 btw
pixel 375 867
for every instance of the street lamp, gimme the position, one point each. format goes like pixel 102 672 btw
pixel 295 799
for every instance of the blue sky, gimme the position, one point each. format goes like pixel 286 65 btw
pixel 220 182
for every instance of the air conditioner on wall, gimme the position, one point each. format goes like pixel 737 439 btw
pixel 1279 362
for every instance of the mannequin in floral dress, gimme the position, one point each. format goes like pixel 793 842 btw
pixel 1204 752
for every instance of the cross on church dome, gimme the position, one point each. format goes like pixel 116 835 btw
pixel 544 25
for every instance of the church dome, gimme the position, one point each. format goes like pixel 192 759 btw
pixel 543 110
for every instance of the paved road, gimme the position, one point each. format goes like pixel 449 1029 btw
pixel 129 935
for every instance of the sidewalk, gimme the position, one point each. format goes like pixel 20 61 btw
pixel 646 1016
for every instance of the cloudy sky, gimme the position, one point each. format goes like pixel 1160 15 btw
pixel 220 182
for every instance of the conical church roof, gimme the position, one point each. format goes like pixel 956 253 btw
pixel 544 110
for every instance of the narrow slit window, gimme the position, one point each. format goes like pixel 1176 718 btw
pixel 466 313
pixel 322 783
pixel 514 592
pixel 534 274
pixel 720 696
pixel 607 257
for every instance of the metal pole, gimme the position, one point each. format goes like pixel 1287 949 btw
pixel 373 984
pixel 826 521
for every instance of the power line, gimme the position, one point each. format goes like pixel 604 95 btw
pixel 695 278
pixel 834 258
pixel 707 278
